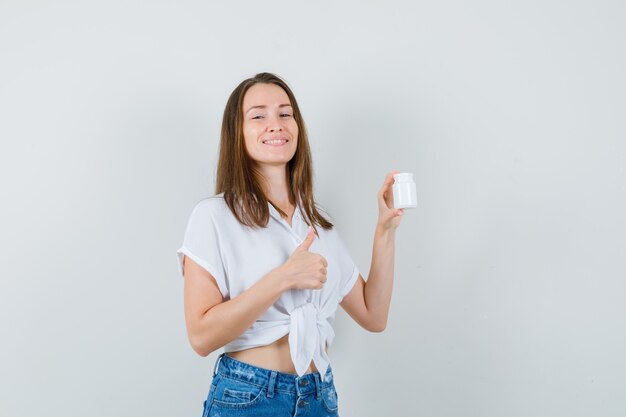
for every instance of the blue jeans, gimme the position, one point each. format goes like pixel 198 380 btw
pixel 241 389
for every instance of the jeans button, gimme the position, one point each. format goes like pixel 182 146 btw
pixel 301 403
pixel 303 382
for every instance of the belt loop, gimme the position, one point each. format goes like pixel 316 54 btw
pixel 270 387
pixel 318 386
pixel 217 361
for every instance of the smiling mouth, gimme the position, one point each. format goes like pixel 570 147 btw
pixel 276 142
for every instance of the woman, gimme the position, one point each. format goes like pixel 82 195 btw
pixel 265 269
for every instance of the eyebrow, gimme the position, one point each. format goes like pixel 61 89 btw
pixel 263 107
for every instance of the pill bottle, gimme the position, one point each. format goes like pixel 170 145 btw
pixel 404 192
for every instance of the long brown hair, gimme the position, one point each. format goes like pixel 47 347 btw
pixel 239 178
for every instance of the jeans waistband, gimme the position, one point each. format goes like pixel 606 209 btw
pixel 274 380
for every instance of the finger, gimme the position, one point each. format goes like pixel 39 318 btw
pixel 308 241
pixel 389 214
pixel 392 173
pixel 389 177
pixel 394 212
pixel 388 181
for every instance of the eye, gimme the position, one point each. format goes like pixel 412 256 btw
pixel 286 114
pixel 256 117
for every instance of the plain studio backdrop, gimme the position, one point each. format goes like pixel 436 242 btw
pixel 510 274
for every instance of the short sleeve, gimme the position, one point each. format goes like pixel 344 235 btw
pixel 201 243
pixel 349 270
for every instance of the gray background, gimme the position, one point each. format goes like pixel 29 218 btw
pixel 509 288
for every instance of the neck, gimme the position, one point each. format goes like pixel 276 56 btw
pixel 276 187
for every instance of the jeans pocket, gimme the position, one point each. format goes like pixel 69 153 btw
pixel 236 396
pixel 234 393
pixel 330 398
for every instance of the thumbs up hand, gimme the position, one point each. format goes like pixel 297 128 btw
pixel 304 269
pixel 307 242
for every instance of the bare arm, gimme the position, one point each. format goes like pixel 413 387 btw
pixel 368 302
pixel 212 322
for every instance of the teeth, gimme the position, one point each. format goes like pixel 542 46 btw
pixel 275 142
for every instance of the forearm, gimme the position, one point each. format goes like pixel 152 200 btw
pixel 228 320
pixel 379 285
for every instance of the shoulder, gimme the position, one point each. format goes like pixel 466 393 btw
pixel 213 206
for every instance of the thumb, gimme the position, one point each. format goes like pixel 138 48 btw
pixel 308 241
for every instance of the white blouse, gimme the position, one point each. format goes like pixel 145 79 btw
pixel 238 256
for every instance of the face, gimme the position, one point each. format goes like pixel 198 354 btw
pixel 269 128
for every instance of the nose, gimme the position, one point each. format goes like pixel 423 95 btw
pixel 274 124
